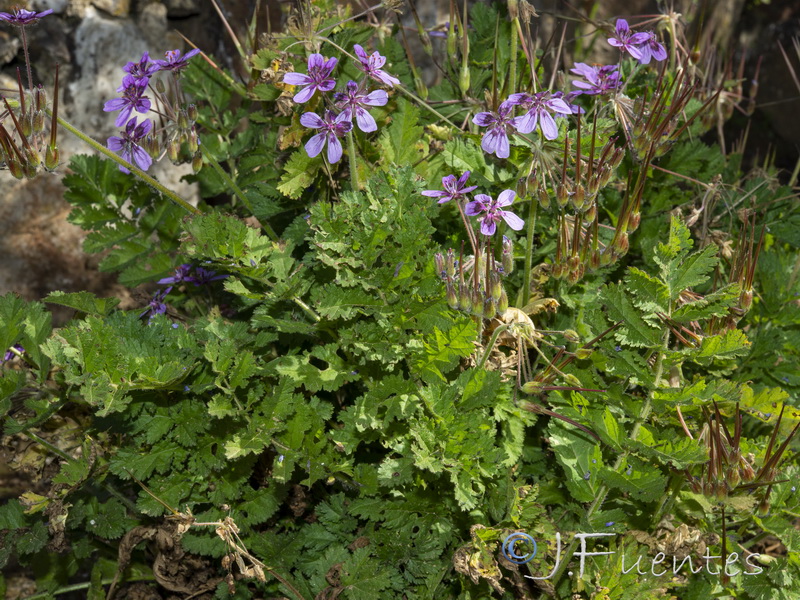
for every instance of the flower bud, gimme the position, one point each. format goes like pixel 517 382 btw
pixel 489 308
pixel 40 98
pixel 578 197
pixel 583 353
pixel 746 299
pixel 558 271
pixel 721 490
pixel 502 304
pixel 763 508
pixel 594 184
pixel 30 170
pixel 591 212
pixel 634 220
pixel 533 183
pixel 544 199
pixel 440 270
pixel 747 473
pixel 522 187
pixel 38 121
pixel 495 286
pixel 604 176
pixel 606 258
pixel 151 146
pixel 464 298
pixel 193 141
pixel 15 167
pixel 573 276
pixel 532 387
pixel 173 150
pixel 621 244
pixel 562 197
pixel 477 303
pixel 571 380
pixel 594 259
pixel 452 297
pixel 571 336
pixel 480 264
pixel 463 79
pixel 26 123
pixel 733 478
pixel 573 261
pixel 51 155
pixel 197 162
pixel 507 257
pixel 191 112
pixel 160 88
pixel 450 263
pixel 32 157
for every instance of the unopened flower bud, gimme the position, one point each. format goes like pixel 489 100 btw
pixel 544 198
pixel 193 141
pixel 621 244
pixel 489 308
pixel 32 157
pixel 578 197
pixel 533 387
pixel 197 162
pixel 606 258
pixel 721 490
pixel 573 276
pixel 558 271
pixel 150 144
pixel 571 336
pixel 51 155
pixel 570 379
pixel 604 175
pixel 480 264
pixel 495 286
pixel 38 121
pixel 27 123
pixel 733 478
pixel 30 170
pixel 594 259
pixel 450 263
pixel 452 297
pixel 583 353
pixel 746 299
pixel 748 474
pixel 464 298
pixel 502 303
pixel 191 112
pixel 573 261
pixel 477 303
pixel 160 86
pixel 40 98
pixel 173 150
pixel 15 167
pixel 522 187
pixel 562 197
pixel 440 270
pixel 507 257
pixel 533 183
pixel 463 79
pixel 634 220
pixel 591 212
pixel 763 508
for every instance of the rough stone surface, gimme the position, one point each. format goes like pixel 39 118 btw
pixel 116 8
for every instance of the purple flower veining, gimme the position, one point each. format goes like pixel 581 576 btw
pixel 652 49
pixel 21 17
pixel 318 78
pixel 453 189
pixel 331 128
pixel 371 65
pixel 495 140
pixel 353 102
pixel 132 99
pixel 144 69
pixel 599 79
pixel 128 145
pixel 493 213
pixel 181 275
pixel 627 41
pixel 539 107
pixel 174 61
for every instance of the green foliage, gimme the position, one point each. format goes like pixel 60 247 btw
pixel 308 417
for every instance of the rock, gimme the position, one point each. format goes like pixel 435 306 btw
pixel 116 8
pixel 180 9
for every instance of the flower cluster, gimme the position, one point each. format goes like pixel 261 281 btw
pixel 185 273
pixel 642 46
pixel 21 17
pixel 137 143
pixel 539 111
pixel 353 101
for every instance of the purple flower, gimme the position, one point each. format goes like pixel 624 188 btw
pixel 175 62
pixel 599 79
pixel 128 146
pixel 539 106
pixel 568 98
pixel 181 275
pixel 495 140
pixel 371 65
pixel 132 99
pixel 156 306
pixel 10 354
pixel 318 78
pixel 143 69
pixel 332 128
pixel 627 41
pixel 453 189
pixel 652 49
pixel 203 276
pixel 353 100
pixel 22 17
pixel 494 211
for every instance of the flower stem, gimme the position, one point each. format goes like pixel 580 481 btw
pixel 237 191
pixel 526 276
pixel 425 105
pixel 132 168
pixel 351 156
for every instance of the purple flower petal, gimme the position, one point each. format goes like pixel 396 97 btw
pixel 315 144
pixel 334 148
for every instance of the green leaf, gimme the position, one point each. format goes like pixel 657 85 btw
pixel 635 331
pixel 580 456
pixel 399 142
pixel 83 302
pixel 727 345
pixel 299 174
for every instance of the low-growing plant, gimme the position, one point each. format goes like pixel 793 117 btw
pixel 505 336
